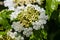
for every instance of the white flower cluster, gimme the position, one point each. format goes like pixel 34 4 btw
pixel 36 25
pixel 17 26
pixel 42 18
pixel 16 12
pixel 11 34
pixel 27 31
pixel 14 36
pixel 11 4
pixel 19 38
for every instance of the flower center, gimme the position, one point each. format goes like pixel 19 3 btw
pixel 27 17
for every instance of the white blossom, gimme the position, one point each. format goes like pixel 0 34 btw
pixel 18 10
pixel 39 24
pixel 9 4
pixel 19 38
pixel 17 26
pixel 41 18
pixel 27 31
pixel 14 14
pixel 12 34
pixel 36 25
pixel 41 10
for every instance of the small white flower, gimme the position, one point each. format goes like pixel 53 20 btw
pixel 22 38
pixel 12 34
pixel 14 14
pixel 41 10
pixel 17 26
pixel 36 25
pixel 41 19
pixel 11 8
pixel 13 5
pixel 19 38
pixel 9 4
pixel 27 31
pixel 42 26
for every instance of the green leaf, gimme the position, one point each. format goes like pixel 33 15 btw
pixel 51 5
pixel 2 33
pixel 59 17
pixel 4 22
pixel 5 13
pixel 4 16
pixel 59 1
pixel 44 33
pixel 38 35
